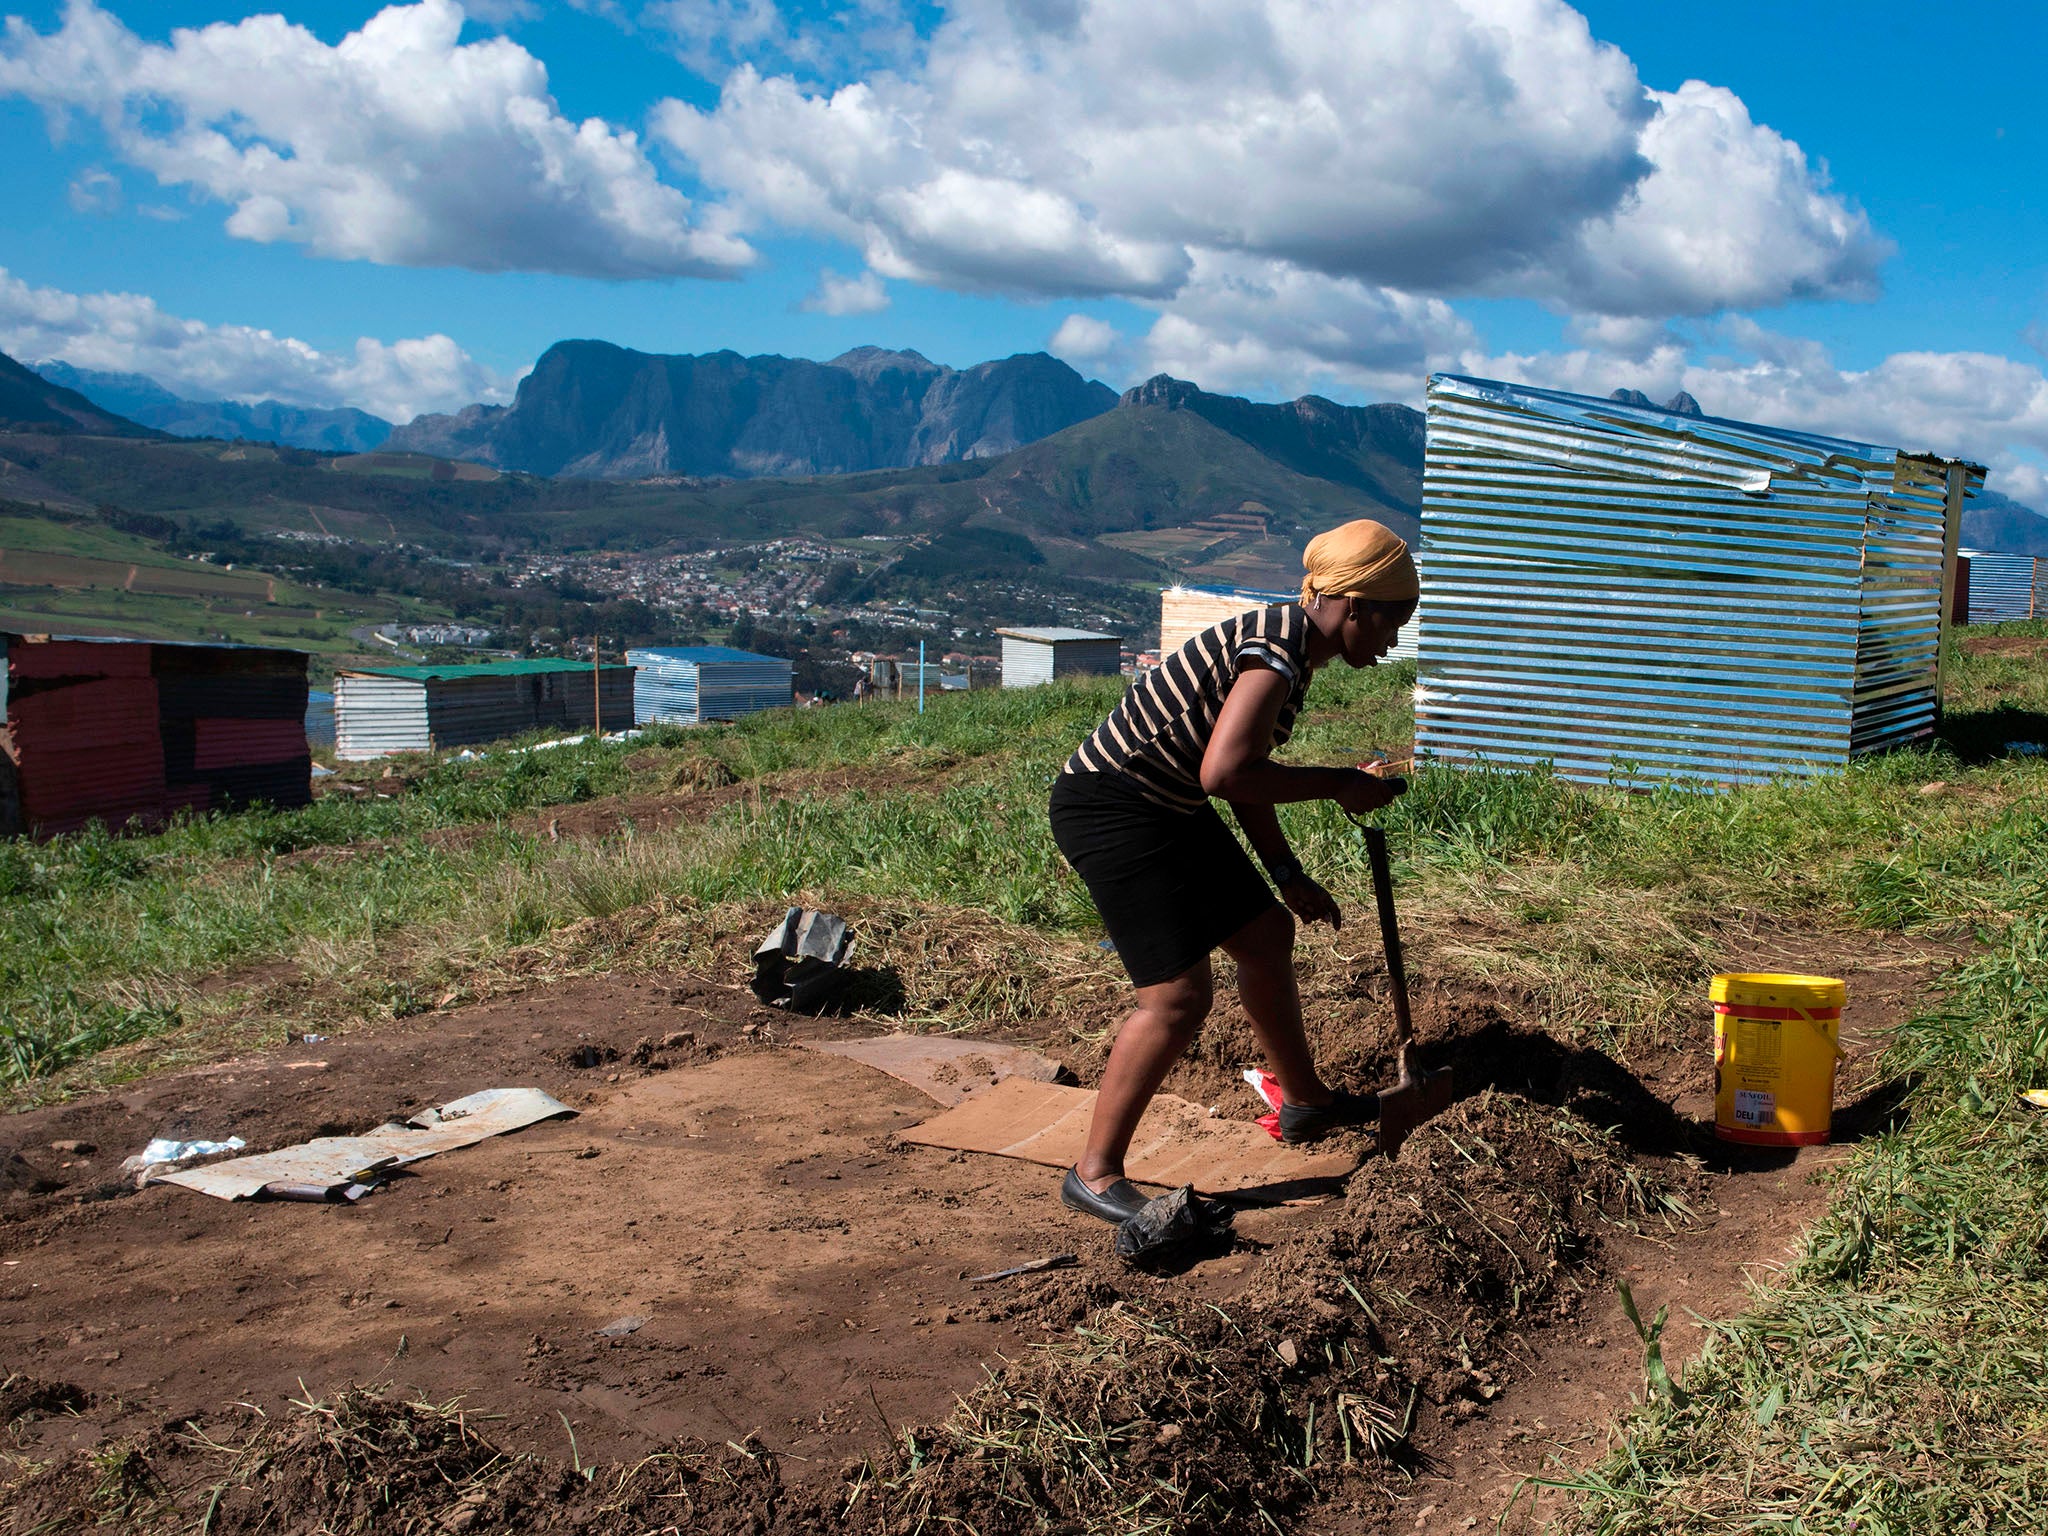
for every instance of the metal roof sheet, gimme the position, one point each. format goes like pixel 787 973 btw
pixel 702 653
pixel 1054 635
pixel 38 636
pixel 1228 591
pixel 478 669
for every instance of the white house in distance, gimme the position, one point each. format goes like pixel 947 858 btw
pixel 1034 656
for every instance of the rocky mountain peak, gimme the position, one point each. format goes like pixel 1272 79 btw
pixel 1680 404
pixel 594 410
pixel 867 362
pixel 1162 389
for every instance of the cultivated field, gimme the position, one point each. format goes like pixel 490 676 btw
pixel 85 578
pixel 1856 1331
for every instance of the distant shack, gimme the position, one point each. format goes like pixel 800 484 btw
pixel 1627 595
pixel 1034 656
pixel 691 684
pixel 1185 612
pixel 379 711
pixel 120 730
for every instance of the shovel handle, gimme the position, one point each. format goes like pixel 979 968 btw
pixel 1390 933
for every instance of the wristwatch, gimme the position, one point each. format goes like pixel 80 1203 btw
pixel 1285 872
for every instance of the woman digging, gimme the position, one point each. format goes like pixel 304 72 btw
pixel 1131 813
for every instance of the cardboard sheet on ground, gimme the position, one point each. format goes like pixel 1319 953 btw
pixel 941 1066
pixel 332 1163
pixel 1177 1142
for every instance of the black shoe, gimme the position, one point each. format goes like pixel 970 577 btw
pixel 1116 1204
pixel 1312 1122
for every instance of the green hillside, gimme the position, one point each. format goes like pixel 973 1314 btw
pixel 68 573
pixel 1136 468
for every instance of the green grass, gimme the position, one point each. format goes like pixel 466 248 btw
pixel 1898 1381
pixel 1603 900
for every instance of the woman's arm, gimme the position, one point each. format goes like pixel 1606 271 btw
pixel 1304 897
pixel 1238 766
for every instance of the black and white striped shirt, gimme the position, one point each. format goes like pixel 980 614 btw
pixel 1158 734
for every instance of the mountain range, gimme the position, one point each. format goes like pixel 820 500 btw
pixel 31 403
pixel 593 410
pixel 141 399
pixel 875 440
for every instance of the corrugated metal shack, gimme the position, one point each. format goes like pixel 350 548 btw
pixel 109 730
pixel 695 683
pixel 1185 612
pixel 2002 587
pixel 1632 595
pixel 382 710
pixel 1034 656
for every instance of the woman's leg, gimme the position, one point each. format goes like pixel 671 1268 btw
pixel 1264 951
pixel 1164 1024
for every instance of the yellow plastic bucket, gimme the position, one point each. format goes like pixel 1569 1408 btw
pixel 1776 1042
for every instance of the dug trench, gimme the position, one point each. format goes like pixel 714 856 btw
pixel 812 1346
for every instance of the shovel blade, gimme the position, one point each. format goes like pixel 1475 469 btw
pixel 1418 1097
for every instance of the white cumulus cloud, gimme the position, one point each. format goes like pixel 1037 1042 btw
pixel 1085 339
pixel 1269 328
pixel 400 144
pixel 1731 216
pixel 1435 147
pixel 94 190
pixel 839 295
pixel 128 333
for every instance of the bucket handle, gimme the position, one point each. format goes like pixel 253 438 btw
pixel 1814 1024
pixel 1811 1023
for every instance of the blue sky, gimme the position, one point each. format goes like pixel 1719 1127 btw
pixel 1838 227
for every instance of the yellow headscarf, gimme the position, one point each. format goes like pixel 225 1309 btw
pixel 1359 559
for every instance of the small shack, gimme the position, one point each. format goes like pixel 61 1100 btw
pixel 1185 612
pixel 1994 588
pixel 382 710
pixel 690 684
pixel 1625 594
pixel 1034 656
pixel 118 730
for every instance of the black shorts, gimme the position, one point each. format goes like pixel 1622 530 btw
pixel 1170 885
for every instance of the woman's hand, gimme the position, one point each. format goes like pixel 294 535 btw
pixel 1362 792
pixel 1310 902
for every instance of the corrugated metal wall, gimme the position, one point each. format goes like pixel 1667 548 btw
pixel 692 684
pixel 113 730
pixel 1908 546
pixel 377 716
pixel 1027 663
pixel 2004 587
pixel 1629 594
pixel 377 713
pixel 1185 612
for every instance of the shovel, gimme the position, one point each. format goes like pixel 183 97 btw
pixel 1418 1095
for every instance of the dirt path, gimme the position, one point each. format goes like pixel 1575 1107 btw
pixel 804 1283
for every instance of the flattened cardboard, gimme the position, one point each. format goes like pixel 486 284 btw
pixel 334 1162
pixel 943 1067
pixel 1177 1142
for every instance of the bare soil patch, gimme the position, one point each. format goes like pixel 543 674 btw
pixel 805 1285
pixel 2006 645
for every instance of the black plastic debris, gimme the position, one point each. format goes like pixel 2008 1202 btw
pixel 799 965
pixel 1176 1220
